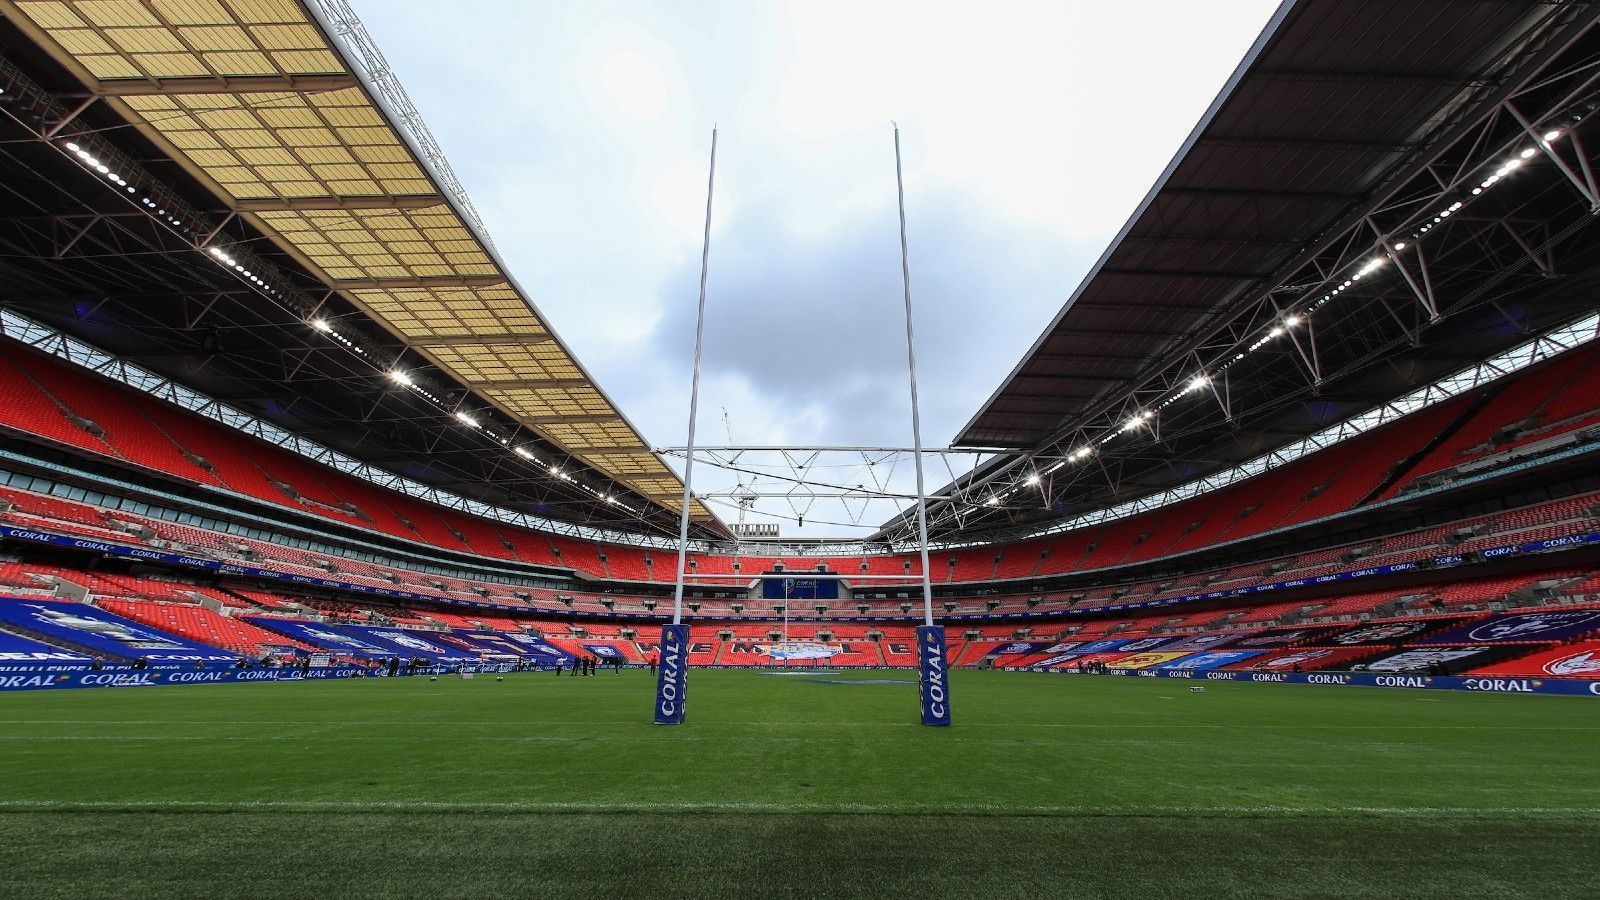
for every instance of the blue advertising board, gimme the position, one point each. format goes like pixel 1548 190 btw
pixel 789 587
pixel 672 676
pixel 933 675
pixel 123 676
pixel 20 653
pixel 1478 683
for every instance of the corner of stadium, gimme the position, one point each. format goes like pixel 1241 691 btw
pixel 326 567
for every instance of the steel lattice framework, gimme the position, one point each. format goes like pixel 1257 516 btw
pixel 1468 236
pixel 1384 194
pixel 271 222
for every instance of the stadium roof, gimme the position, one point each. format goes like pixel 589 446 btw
pixel 283 143
pixel 286 116
pixel 1345 127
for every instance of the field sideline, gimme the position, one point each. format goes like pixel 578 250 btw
pixel 796 785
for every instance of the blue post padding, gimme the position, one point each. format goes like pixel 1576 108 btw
pixel 672 675
pixel 933 675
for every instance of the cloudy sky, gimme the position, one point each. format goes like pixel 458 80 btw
pixel 1030 130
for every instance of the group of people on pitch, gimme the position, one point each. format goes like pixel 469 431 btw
pixel 588 665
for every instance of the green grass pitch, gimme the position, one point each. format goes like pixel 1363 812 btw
pixel 819 784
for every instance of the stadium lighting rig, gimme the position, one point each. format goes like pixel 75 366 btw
pixel 37 110
pixel 474 421
pixel 1498 169
pixel 97 156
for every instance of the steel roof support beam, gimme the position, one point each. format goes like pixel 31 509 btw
pixel 241 84
pixel 416 281
pixel 579 419
pixel 316 204
pixel 1584 186
pixel 1422 290
pixel 526 383
pixel 1341 235
pixel 470 340
pixel 1544 261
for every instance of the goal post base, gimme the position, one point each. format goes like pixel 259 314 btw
pixel 672 675
pixel 933 672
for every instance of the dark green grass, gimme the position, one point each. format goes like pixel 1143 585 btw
pixel 796 786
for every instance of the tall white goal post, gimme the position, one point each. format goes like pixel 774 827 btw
pixel 932 662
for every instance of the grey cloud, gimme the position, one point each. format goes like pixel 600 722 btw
pixel 816 320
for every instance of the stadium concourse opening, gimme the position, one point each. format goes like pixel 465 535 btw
pixel 317 541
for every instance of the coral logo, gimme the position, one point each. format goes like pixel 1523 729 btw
pixel 1502 685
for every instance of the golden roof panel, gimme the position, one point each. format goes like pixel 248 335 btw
pixel 252 98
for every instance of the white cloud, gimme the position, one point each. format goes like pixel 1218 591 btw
pixel 1031 131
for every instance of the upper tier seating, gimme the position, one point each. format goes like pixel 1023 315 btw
pixel 58 401
pixel 1552 398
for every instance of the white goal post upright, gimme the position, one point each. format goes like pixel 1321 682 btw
pixel 672 675
pixel 932 664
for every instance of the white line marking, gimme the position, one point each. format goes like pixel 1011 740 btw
pixel 760 807
pixel 546 723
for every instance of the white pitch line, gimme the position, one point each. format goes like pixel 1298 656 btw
pixel 757 807
pixel 540 723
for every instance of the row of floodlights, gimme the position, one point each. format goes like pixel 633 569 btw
pixel 104 169
pixel 1289 321
pixel 405 380
pixel 231 260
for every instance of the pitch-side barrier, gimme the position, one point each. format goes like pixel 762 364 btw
pixel 1498 684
